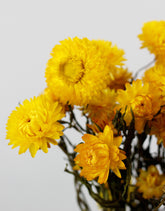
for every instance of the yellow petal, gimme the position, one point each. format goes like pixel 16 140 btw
pixel 117 172
pixel 33 149
pixel 117 141
pixel 44 147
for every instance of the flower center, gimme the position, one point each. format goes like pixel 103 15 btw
pixel 73 70
pixel 29 127
pixel 91 157
pixel 141 106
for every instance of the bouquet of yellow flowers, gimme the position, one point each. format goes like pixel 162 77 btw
pixel 121 117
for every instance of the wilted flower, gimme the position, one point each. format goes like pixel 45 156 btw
pixel 150 183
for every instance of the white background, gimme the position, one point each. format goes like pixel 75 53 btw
pixel 28 32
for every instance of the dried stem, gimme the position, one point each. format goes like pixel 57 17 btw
pixel 143 68
pixel 161 203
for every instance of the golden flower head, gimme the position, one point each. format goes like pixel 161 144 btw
pixel 119 76
pixel 99 154
pixel 153 37
pixel 150 183
pixel 34 124
pixel 143 100
pixel 101 108
pixel 157 126
pixel 79 68
pixel 156 76
pixel 160 60
pixel 51 97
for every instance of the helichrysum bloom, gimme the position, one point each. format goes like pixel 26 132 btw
pixel 34 125
pixel 156 76
pixel 51 97
pixel 79 68
pixel 100 154
pixel 119 77
pixel 153 37
pixel 157 126
pixel 101 108
pixel 143 99
pixel 150 183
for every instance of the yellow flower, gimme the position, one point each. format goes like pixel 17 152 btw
pixel 156 76
pixel 160 60
pixel 153 37
pixel 51 97
pixel 150 183
pixel 34 124
pixel 99 154
pixel 79 69
pixel 101 108
pixel 157 126
pixel 119 77
pixel 144 100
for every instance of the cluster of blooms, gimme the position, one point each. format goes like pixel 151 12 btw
pixel 90 74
